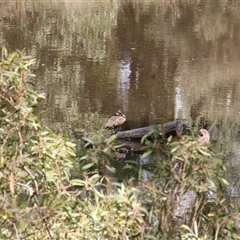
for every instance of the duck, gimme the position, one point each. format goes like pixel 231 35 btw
pixel 205 138
pixel 115 122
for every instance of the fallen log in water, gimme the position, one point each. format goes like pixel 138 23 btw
pixel 167 129
pixel 130 139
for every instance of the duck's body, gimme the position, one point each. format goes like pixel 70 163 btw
pixel 205 138
pixel 116 121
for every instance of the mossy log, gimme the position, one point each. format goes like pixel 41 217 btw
pixel 173 128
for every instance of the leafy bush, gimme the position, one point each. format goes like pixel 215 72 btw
pixel 185 194
pixel 35 163
pixel 182 199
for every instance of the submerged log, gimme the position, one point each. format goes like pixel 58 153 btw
pixel 167 129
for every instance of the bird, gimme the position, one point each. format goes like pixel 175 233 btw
pixel 205 138
pixel 115 122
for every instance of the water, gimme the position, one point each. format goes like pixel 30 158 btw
pixel 154 60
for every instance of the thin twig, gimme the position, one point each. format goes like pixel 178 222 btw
pixel 16 230
pixel 33 178
pixel 7 100
pixel 217 231
pixel 44 220
pixel 29 189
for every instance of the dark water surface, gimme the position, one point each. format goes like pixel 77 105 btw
pixel 154 60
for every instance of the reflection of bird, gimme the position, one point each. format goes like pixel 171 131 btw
pixel 205 138
pixel 120 153
pixel 116 121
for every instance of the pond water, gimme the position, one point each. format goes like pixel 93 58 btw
pixel 155 60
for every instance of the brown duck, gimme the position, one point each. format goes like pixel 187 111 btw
pixel 115 122
pixel 205 138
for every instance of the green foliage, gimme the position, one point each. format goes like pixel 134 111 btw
pixel 185 194
pixel 35 163
pixel 182 199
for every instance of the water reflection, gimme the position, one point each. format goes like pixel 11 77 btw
pixel 154 60
pixel 123 80
pixel 179 104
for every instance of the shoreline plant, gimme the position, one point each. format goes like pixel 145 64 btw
pixel 40 199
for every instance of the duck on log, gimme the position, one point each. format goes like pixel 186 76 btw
pixel 170 128
pixel 115 122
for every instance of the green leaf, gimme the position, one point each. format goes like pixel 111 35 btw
pixel 146 136
pixel 88 140
pixel 175 149
pixel 93 179
pixel 186 228
pixel 225 181
pixel 111 169
pixel 71 153
pixel 218 161
pixel 203 152
pixel 77 182
pixel 100 194
pixel 146 154
pixel 87 166
pixel 213 185
pixel 50 176
pixel 70 144
pixel 111 139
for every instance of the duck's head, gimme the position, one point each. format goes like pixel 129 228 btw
pixel 119 113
